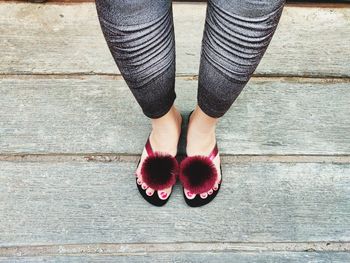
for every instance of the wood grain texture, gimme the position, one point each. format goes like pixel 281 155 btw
pixel 223 257
pixel 66 125
pixel 118 249
pixel 60 38
pixel 95 114
pixel 88 202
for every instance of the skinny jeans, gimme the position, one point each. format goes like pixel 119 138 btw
pixel 140 36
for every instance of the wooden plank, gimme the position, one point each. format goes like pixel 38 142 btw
pixel 102 249
pixel 282 257
pixel 96 114
pixel 91 202
pixel 56 38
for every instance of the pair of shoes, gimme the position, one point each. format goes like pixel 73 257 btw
pixel 159 171
pixel 198 175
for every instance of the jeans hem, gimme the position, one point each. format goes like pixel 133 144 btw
pixel 165 109
pixel 210 112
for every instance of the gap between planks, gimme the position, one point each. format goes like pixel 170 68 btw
pixel 225 159
pixel 141 248
pixel 262 77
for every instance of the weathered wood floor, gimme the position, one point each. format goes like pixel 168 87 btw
pixel 68 147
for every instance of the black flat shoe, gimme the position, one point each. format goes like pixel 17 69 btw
pixel 198 174
pixel 158 171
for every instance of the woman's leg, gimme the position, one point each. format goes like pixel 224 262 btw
pixel 140 37
pixel 235 38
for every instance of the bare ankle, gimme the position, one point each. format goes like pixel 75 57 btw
pixel 201 123
pixel 166 131
pixel 201 133
pixel 171 120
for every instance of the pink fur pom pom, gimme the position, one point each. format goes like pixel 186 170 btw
pixel 198 174
pixel 159 171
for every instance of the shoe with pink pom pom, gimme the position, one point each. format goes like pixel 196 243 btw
pixel 159 171
pixel 199 176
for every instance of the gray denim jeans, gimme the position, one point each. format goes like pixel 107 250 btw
pixel 140 37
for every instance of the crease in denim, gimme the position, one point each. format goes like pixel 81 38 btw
pixel 232 49
pixel 140 36
pixel 143 51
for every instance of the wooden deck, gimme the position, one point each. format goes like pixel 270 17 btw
pixel 68 147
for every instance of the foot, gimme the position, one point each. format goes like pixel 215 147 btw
pixel 164 137
pixel 201 139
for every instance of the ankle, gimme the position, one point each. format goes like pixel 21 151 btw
pixel 201 133
pixel 166 131
pixel 201 123
pixel 169 122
